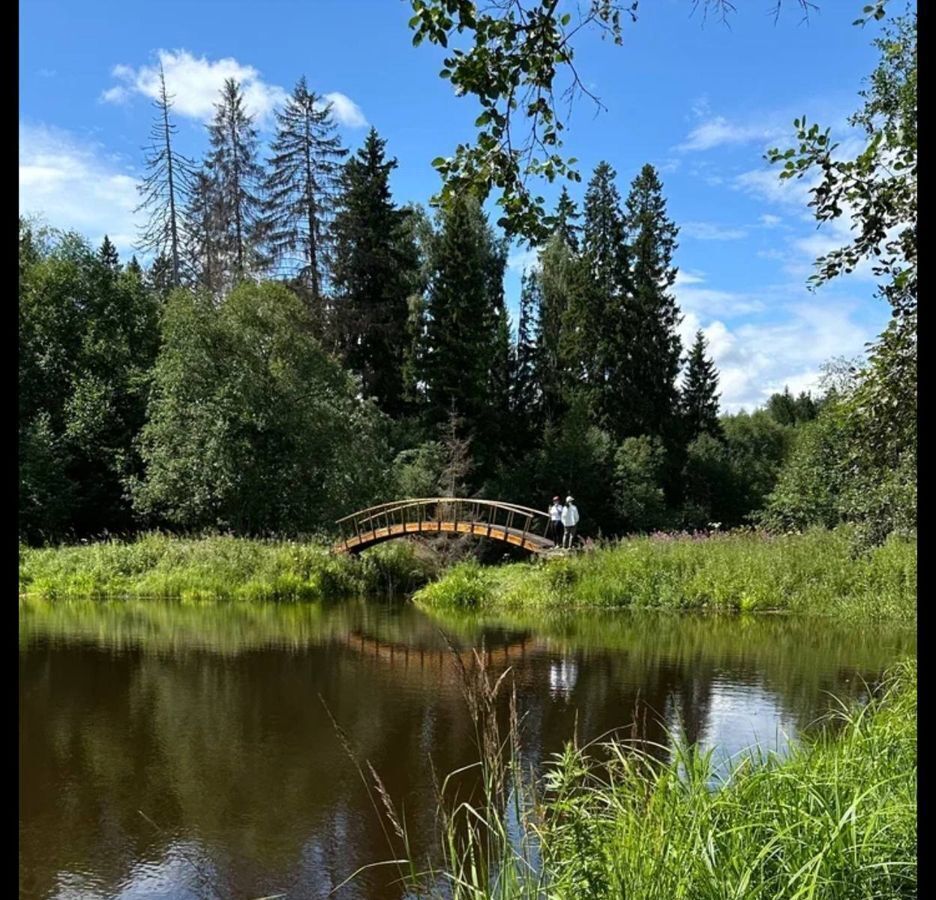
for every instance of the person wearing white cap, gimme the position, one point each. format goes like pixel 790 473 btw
pixel 570 517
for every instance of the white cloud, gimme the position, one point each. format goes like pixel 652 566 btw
pixel 684 277
pixel 707 302
pixel 755 359
pixel 711 302
pixel 196 83
pixel 73 185
pixel 718 131
pixel 710 231
pixel 345 110
pixel 766 185
pixel 793 196
pixel 520 261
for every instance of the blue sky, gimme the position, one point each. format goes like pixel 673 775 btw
pixel 699 100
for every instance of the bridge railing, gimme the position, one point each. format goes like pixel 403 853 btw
pixel 423 512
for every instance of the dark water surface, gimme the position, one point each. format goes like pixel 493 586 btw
pixel 171 751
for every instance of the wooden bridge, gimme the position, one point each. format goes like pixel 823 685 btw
pixel 507 522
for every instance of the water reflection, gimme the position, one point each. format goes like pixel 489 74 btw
pixel 172 751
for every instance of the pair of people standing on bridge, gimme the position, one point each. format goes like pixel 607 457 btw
pixel 564 519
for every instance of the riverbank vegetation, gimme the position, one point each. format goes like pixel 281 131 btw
pixel 815 573
pixel 834 817
pixel 219 568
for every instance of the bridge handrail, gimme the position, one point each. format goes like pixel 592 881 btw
pixel 364 514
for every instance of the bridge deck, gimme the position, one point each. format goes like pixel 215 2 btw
pixel 533 542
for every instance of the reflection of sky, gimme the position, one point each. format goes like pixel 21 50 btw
pixel 563 673
pixel 182 873
pixel 741 717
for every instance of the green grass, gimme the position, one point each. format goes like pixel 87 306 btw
pixel 835 818
pixel 813 573
pixel 216 568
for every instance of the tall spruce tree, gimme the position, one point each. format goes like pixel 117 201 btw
pixel 699 396
pixel 600 327
pixel 236 177
pixel 561 281
pixel 165 187
pixel 463 322
pixel 302 183
pixel 654 344
pixel 374 273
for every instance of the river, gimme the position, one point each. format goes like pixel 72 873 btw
pixel 172 751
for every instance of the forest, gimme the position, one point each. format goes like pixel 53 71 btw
pixel 300 343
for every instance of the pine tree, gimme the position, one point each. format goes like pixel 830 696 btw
pixel 374 272
pixel 236 179
pixel 699 397
pixel 165 188
pixel 654 343
pixel 301 185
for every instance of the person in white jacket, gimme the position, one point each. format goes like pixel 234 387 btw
pixel 555 521
pixel 570 517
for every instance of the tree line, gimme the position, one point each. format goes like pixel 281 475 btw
pixel 301 345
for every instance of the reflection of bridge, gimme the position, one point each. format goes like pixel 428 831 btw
pixel 507 522
pixel 399 653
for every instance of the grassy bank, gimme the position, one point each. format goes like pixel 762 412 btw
pixel 216 568
pixel 835 818
pixel 814 573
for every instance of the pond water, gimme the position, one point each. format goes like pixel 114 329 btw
pixel 171 751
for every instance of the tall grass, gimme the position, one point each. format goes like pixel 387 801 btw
pixel 836 818
pixel 217 568
pixel 815 573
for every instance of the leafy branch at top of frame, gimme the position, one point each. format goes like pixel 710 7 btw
pixel 512 56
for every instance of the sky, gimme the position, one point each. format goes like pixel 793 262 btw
pixel 699 100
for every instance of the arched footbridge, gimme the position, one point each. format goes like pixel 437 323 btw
pixel 507 522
